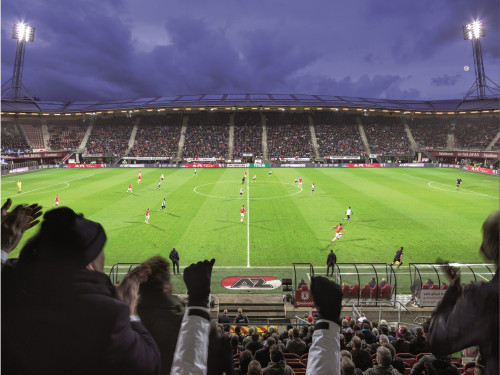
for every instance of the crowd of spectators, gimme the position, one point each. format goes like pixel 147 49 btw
pixel 288 135
pixel 207 136
pixel 430 132
pixel 475 134
pixel 339 140
pixel 66 134
pixel 110 135
pixel 247 135
pixel 12 138
pixel 33 132
pixel 386 136
pixel 157 136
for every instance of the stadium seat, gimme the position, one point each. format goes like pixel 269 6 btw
pixel 386 291
pixel 365 292
pixel 304 357
pixel 299 371
pixel 355 291
pixel 375 292
pixel 291 356
pixel 421 355
pixel 469 365
pixel 405 355
pixel 409 361
pixel 346 291
pixel 295 365
pixel 435 286
pixel 425 286
pixel 444 286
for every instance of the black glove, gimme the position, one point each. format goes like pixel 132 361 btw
pixel 197 278
pixel 327 296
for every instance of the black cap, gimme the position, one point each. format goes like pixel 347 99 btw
pixel 67 237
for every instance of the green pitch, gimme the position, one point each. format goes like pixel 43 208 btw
pixel 420 209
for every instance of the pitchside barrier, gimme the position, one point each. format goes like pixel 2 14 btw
pixel 25 167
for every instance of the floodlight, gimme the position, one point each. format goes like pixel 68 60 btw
pixel 474 30
pixel 23 32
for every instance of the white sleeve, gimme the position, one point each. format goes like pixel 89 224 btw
pixel 324 354
pixel 191 351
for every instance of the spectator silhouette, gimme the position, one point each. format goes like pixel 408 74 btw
pixel 468 316
pixel 61 314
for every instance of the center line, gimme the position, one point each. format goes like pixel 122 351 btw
pixel 248 221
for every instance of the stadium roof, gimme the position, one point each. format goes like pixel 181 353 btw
pixel 300 101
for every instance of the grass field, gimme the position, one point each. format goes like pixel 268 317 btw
pixel 420 209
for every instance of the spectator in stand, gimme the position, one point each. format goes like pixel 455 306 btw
pixel 159 310
pixel 277 365
pixel 430 283
pixel 419 343
pixel 241 318
pixel 235 345
pixel 248 338
pixel 262 355
pixel 237 332
pixel 397 362
pixel 401 344
pixel 60 312
pixel 220 357
pixel 295 344
pixel 224 319
pixel 347 366
pixel 254 344
pixel 284 335
pixel 245 359
pixel 429 364
pixel 361 357
pixel 383 366
pixel 254 368
pixel 370 338
pixel 455 324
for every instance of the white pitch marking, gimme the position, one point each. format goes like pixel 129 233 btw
pixel 482 276
pixel 60 183
pixel 248 222
pixel 217 196
pixel 469 192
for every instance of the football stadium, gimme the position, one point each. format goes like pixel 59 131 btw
pixel 268 185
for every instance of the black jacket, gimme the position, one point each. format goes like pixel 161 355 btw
pixel 59 322
pixel 174 256
pixel 331 259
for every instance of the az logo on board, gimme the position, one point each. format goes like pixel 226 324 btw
pixel 251 282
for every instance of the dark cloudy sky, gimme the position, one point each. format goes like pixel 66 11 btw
pixel 117 49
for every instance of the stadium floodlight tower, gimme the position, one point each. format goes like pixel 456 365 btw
pixel 473 32
pixel 23 34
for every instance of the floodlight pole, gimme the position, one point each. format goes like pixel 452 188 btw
pixel 23 34
pixel 474 32
pixel 17 75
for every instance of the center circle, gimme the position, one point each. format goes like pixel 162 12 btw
pixel 238 183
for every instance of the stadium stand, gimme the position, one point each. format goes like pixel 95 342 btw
pixel 33 131
pixel 247 135
pixel 474 133
pixel 110 135
pixel 157 136
pixel 386 136
pixel 337 135
pixel 207 136
pixel 288 136
pixel 66 134
pixel 430 133
pixel 12 137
